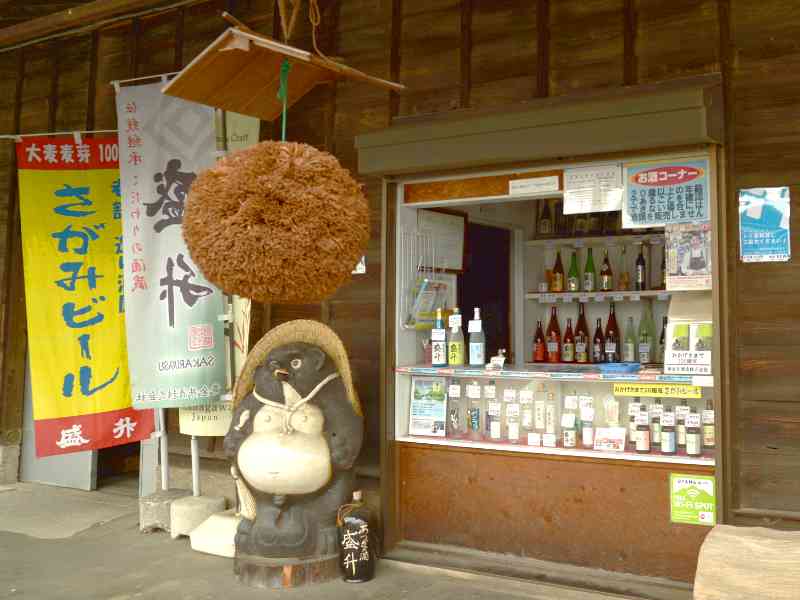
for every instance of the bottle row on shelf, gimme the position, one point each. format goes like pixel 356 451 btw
pixel 483 413
pixel 556 280
pixel 609 345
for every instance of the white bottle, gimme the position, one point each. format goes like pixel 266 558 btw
pixel 477 340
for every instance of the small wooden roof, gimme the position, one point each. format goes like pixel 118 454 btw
pixel 240 72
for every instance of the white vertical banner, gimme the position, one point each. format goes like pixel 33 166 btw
pixel 176 341
pixel 241 131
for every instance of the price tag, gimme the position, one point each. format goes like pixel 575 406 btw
pixel 636 297
pixel 600 297
pixel 454 390
pixel 526 396
pixel 509 394
pixel 571 402
pixel 692 420
pixel 585 401
pixel 587 413
pixel 547 299
pixel 642 419
pixel 708 417
pixel 493 408
pixel 617 297
pixel 438 335
pixel 579 244
pixel 473 391
pixel 662 296
pixel 681 411
pixel 634 408
pixel 568 420
pixel 534 439
pixel 656 410
pixel 512 410
pixel 474 326
pixel 568 297
pixel 668 419
pixel 455 321
pixel 583 297
pixel 490 392
pixel 549 440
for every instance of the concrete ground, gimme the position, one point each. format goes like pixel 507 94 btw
pixel 60 543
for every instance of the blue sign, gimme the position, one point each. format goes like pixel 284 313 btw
pixel 764 224
pixel 659 193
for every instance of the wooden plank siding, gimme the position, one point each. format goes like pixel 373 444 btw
pixel 458 53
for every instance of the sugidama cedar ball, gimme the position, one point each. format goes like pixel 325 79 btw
pixel 278 222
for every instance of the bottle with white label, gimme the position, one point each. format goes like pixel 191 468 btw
pixel 511 415
pixel 550 414
pixel 539 401
pixel 587 421
pixel 455 340
pixel 668 436
pixel 569 426
pixel 634 408
pixel 643 431
pixel 526 413
pixel 629 343
pixel 456 411
pixel 477 340
pixel 493 412
pixel 438 341
pixel 611 406
pixel 656 410
pixel 475 420
pixel 694 434
pixel 681 411
pixel 709 434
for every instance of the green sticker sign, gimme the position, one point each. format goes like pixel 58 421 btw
pixel 692 499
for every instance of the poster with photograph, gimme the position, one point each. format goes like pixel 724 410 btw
pixel 764 224
pixel 689 346
pixel 428 406
pixel 688 247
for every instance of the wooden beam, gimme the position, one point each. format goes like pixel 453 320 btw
pixel 15 334
pixel 52 102
pixel 91 88
pixel 395 38
pixel 180 26
pixel 80 16
pixel 631 75
pixel 543 48
pixel 135 34
pixel 466 53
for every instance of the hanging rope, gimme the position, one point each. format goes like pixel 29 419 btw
pixel 315 16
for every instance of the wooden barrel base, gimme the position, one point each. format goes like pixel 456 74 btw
pixel 276 573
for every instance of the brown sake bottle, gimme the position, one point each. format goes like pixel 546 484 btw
pixel 582 346
pixel 557 278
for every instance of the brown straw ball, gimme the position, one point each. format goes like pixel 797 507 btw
pixel 277 222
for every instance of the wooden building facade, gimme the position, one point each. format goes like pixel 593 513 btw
pixel 477 54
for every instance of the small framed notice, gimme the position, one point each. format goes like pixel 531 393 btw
pixel 448 230
pixel 428 406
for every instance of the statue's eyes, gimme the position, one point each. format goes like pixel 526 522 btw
pixel 296 363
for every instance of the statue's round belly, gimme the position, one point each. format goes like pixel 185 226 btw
pixel 278 463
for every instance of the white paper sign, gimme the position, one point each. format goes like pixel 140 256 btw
pixel 593 189
pixel 533 185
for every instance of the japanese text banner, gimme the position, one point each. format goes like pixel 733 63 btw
pixel 176 345
pixel 72 245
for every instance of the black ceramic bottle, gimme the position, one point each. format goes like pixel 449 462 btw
pixel 357 548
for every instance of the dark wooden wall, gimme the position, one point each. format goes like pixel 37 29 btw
pixel 483 53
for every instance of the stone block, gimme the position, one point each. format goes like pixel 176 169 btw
pixel 189 512
pixel 216 535
pixel 154 510
pixel 9 464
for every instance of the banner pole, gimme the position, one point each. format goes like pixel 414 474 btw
pixel 195 466
pixel 163 444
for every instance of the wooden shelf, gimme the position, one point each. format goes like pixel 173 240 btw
pixel 566 297
pixel 560 372
pixel 678 459
pixel 606 240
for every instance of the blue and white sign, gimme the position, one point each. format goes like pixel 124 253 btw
pixel 764 224
pixel 664 192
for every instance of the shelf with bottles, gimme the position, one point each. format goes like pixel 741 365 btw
pixel 618 296
pixel 586 373
pixel 655 238
pixel 571 419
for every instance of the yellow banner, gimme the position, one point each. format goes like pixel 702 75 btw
pixel 658 390
pixel 72 251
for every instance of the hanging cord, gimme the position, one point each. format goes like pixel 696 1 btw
pixel 283 93
pixel 315 16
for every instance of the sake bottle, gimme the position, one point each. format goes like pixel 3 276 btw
pixel 357 545
pixel 694 435
pixel 606 275
pixel 573 278
pixel 643 431
pixel 493 410
pixel 511 415
pixel 709 434
pixel 477 340
pixel 438 342
pixel 668 436
pixel 629 344
pixel 455 340
pixel 589 275
pixel 475 416
pixel 557 277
